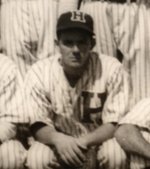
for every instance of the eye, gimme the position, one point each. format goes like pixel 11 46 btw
pixel 68 43
pixel 82 42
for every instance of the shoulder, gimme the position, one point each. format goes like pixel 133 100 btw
pixel 42 65
pixel 107 62
pixel 41 70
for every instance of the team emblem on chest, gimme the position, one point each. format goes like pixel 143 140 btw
pixel 92 105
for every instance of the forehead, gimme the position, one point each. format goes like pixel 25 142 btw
pixel 74 34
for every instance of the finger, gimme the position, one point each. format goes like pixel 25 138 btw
pixel 79 153
pixel 83 147
pixel 73 159
pixel 102 161
pixel 64 159
pixel 54 164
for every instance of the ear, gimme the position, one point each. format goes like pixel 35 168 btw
pixel 56 42
pixel 93 42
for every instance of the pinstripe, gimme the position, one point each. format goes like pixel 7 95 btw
pixel 28 29
pixel 105 42
pixel 40 159
pixel 22 31
pixel 67 5
pixel 128 30
pixel 10 83
pixel 116 157
pixel 12 153
pixel 49 95
pixel 37 88
pixel 139 116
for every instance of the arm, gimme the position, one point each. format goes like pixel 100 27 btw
pixel 130 138
pixel 134 127
pixel 9 84
pixel 101 134
pixel 41 118
pixel 65 147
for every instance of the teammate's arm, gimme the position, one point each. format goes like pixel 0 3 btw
pixel 130 138
pixel 8 89
pixel 133 130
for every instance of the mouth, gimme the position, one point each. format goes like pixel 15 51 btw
pixel 77 56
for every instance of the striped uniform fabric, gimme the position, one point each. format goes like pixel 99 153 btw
pixel 125 26
pixel 139 116
pixel 27 30
pixel 12 152
pixel 100 96
pixel 67 5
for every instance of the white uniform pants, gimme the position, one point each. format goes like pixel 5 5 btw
pixel 12 155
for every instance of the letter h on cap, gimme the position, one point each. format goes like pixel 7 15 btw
pixel 78 16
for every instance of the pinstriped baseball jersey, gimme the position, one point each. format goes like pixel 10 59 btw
pixel 11 92
pixel 12 152
pixel 67 5
pixel 139 115
pixel 27 30
pixel 125 26
pixel 101 94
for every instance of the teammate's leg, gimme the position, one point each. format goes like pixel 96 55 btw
pixel 40 156
pixel 112 156
pixel 12 155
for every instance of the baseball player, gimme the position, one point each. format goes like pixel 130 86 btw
pixel 75 99
pixel 12 151
pixel 123 25
pixel 134 136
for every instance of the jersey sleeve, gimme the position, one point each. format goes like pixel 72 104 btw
pixel 37 103
pixel 138 115
pixel 117 85
pixel 11 93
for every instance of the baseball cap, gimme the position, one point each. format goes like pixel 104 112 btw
pixel 75 19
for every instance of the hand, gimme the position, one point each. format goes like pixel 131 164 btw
pixel 82 143
pixel 7 131
pixel 102 157
pixel 68 151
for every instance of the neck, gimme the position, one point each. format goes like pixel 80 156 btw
pixel 72 78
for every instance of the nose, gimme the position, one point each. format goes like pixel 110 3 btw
pixel 75 48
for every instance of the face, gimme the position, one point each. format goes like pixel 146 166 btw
pixel 74 46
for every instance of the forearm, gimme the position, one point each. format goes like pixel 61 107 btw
pixel 131 140
pixel 101 134
pixel 46 134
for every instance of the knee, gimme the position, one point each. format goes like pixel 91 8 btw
pixel 111 156
pixel 12 155
pixel 39 156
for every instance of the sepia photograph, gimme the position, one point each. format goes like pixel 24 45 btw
pixel 74 84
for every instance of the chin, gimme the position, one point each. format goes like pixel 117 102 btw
pixel 76 65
